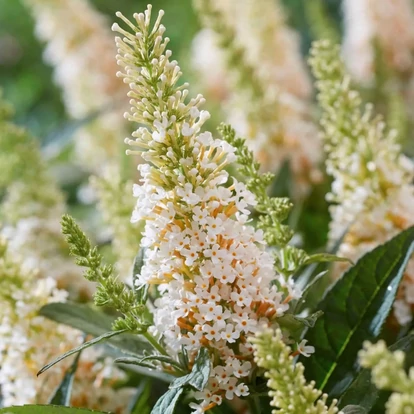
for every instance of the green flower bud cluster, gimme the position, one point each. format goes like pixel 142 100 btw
pixel 289 389
pixel 388 374
pixel 110 291
pixel 274 210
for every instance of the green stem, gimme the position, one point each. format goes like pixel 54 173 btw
pixel 154 343
pixel 254 405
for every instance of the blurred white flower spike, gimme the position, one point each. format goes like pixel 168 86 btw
pixel 372 191
pixel 266 90
pixel 80 48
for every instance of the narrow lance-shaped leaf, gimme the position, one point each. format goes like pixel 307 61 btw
pixel 63 393
pixel 198 377
pixel 355 310
pixel 93 322
pixel 144 361
pixel 81 347
pixel 167 403
pixel 140 403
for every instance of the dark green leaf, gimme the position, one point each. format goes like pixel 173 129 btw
pixel 282 184
pixel 354 409
pixel 303 278
pixel 362 391
pixel 62 394
pixel 81 347
pixel 354 310
pixel 312 293
pixel 47 409
pixel 166 404
pixel 92 322
pixel 140 402
pixel 199 375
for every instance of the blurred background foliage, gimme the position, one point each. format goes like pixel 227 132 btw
pixel 27 80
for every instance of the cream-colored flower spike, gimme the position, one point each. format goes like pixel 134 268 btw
pixel 271 45
pixel 372 191
pixel 80 47
pixel 387 23
pixel 29 341
pixel 212 271
pixel 288 387
pixel 388 373
pixel 32 207
pixel 266 89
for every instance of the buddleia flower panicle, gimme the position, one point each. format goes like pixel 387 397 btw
pixel 31 208
pixel 372 191
pixel 388 373
pixel 369 23
pixel 288 387
pixel 208 263
pixel 28 341
pixel 80 48
pixel 268 97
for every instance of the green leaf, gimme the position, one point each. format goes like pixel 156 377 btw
pixel 92 322
pixel 149 372
pixel 47 409
pixel 62 394
pixel 296 325
pixel 282 184
pixel 311 294
pixel 134 361
pixel 355 309
pixel 362 391
pixel 80 348
pixel 167 403
pixel 325 258
pixel 354 409
pixel 198 377
pixel 140 402
pixel 143 361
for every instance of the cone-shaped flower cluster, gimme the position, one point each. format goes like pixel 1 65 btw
pixel 388 373
pixel 32 207
pixel 213 276
pixel 371 189
pixel 370 23
pixel 291 394
pixel 268 92
pixel 80 47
